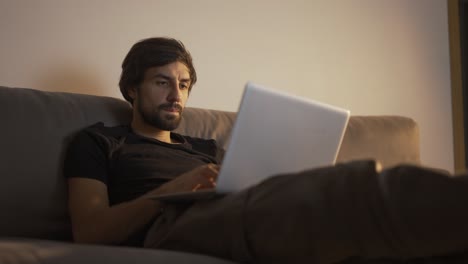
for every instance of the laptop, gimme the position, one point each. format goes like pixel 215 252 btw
pixel 274 133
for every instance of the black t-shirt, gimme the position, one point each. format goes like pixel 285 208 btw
pixel 131 165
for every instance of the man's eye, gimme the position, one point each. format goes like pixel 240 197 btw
pixel 161 83
pixel 183 86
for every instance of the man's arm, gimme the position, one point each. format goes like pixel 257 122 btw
pixel 94 221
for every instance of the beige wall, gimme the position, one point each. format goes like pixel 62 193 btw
pixel 372 56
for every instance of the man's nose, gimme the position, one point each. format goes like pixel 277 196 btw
pixel 175 93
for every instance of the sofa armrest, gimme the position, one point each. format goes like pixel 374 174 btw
pixel 391 140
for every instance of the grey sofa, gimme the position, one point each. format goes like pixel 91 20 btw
pixel 36 128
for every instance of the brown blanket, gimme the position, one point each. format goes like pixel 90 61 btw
pixel 346 213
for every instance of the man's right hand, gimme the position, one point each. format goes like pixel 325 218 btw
pixel 203 177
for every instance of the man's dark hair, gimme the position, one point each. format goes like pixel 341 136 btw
pixel 152 52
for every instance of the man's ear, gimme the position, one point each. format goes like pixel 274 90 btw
pixel 132 92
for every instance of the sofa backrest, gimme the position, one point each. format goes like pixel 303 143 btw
pixel 37 127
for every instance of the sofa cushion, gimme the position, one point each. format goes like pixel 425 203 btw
pixel 209 124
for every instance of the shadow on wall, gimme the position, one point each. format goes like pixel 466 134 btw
pixel 71 77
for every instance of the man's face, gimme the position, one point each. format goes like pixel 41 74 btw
pixel 161 97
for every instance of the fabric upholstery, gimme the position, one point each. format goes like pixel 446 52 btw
pixel 15 251
pixel 392 140
pixel 208 124
pixel 37 127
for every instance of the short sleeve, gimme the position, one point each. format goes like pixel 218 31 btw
pixel 86 158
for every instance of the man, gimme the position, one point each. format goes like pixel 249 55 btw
pixel 342 213
pixel 157 78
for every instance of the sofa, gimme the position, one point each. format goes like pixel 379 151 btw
pixel 37 127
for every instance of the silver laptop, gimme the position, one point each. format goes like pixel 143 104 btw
pixel 275 133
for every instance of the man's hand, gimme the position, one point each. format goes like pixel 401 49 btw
pixel 203 177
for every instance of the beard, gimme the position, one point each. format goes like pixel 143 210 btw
pixel 161 120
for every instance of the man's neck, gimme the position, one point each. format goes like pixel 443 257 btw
pixel 151 132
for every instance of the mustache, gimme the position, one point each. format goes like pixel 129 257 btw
pixel 171 105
